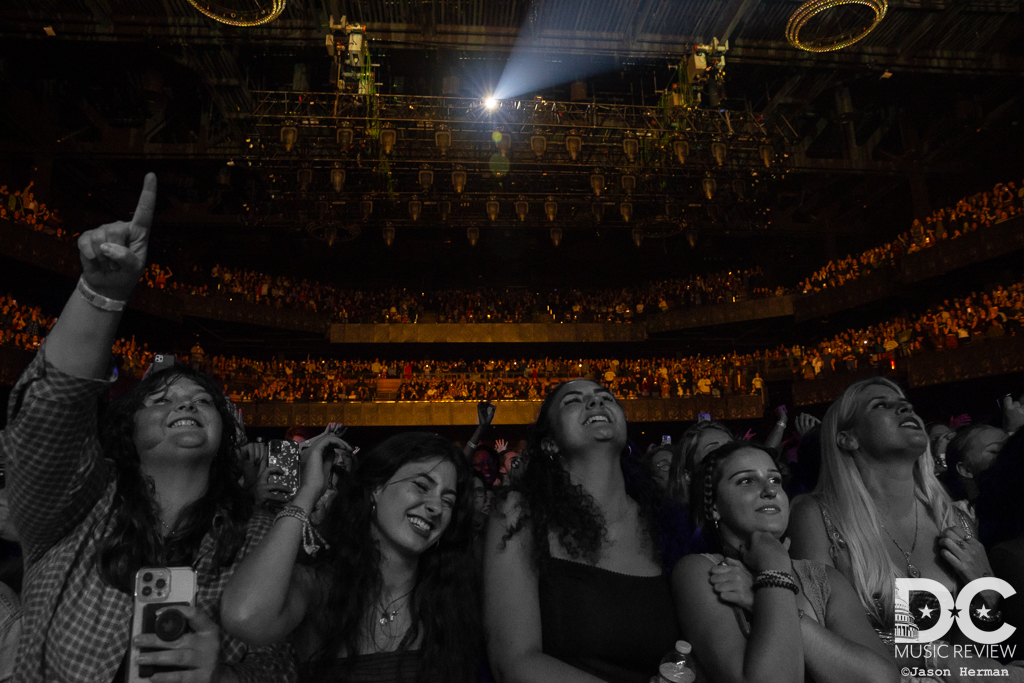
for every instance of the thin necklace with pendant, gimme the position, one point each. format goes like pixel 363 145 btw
pixel 912 571
pixel 386 616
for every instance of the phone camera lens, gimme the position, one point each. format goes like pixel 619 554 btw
pixel 160 583
pixel 170 625
pixel 147 577
pixel 147 591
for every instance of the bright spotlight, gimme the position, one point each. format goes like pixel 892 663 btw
pixel 491 103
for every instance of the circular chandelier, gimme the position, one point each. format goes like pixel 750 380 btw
pixel 259 11
pixel 812 8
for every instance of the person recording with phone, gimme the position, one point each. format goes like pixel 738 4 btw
pixel 150 485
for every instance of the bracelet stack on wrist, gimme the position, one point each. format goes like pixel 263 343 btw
pixel 771 578
pixel 311 538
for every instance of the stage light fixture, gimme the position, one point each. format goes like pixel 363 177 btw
pixel 767 154
pixel 631 146
pixel 573 145
pixel 596 182
pixel 389 235
pixel 259 14
pixel 626 211
pixel 718 152
pixel 522 208
pixel 681 148
pixel 538 145
pixel 415 207
pixel 629 183
pixel 473 235
pixel 709 186
pixel 337 179
pixel 492 207
pixel 459 179
pixel 289 136
pixel 503 141
pixel 556 236
pixel 388 137
pixel 366 208
pixel 638 236
pixel 344 135
pixel 305 178
pixel 490 103
pixel 426 177
pixel 597 208
pixel 739 187
pixel 805 12
pixel 443 140
pixel 551 208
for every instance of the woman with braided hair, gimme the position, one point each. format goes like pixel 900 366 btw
pixel 750 611
pixel 575 579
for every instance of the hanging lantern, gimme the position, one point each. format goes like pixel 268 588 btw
pixel 718 152
pixel 344 135
pixel 596 182
pixel 426 177
pixel 626 211
pixel 691 239
pixel 538 145
pixel 556 236
pixel 388 136
pixel 638 236
pixel 631 146
pixel 597 208
pixel 709 186
pixel 443 140
pixel 629 183
pixel 389 235
pixel 459 179
pixel 739 187
pixel 473 235
pixel 337 179
pixel 522 208
pixel 551 208
pixel 289 136
pixel 492 207
pixel 445 208
pixel 681 148
pixel 366 208
pixel 305 178
pixel 415 207
pixel 503 141
pixel 573 145
pixel 767 154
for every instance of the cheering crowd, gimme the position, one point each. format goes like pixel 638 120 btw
pixel 158 543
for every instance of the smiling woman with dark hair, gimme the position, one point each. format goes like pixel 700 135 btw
pixel 576 586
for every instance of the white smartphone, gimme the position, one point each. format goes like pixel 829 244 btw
pixel 160 592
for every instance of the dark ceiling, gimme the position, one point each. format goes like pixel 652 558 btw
pixel 924 110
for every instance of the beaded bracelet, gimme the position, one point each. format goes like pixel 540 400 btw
pixel 775 579
pixel 311 538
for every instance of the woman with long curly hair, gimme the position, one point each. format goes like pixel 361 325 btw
pixel 152 483
pixel 578 552
pixel 395 595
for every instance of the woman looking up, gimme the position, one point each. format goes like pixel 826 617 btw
pixel 574 586
pixel 395 596
pixel 803 617
pixel 154 483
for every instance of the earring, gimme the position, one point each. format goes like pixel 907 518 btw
pixel 373 506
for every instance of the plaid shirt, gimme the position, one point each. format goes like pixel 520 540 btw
pixel 76 628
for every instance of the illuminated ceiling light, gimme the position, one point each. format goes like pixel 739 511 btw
pixel 503 141
pixel 626 211
pixel 344 135
pixel 538 145
pixel 739 187
pixel 388 136
pixel 337 179
pixel 426 177
pixel 631 146
pixel 366 208
pixel 443 140
pixel 767 153
pixel 415 208
pixel 681 148
pixel 709 186
pixel 718 152
pixel 556 236
pixel 289 136
pixel 490 103
pixel 305 178
pixel 492 207
pixel 573 145
pixel 597 208
pixel 459 179
pixel 551 208
pixel 473 235
pixel 812 8
pixel 629 183
pixel 389 235
pixel 596 182
pixel 522 208
pixel 257 15
pixel 638 236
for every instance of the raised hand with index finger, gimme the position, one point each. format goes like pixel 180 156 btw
pixel 114 255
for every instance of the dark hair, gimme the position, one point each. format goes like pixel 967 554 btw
pixel 551 502
pixel 444 603
pixel 135 541
pixel 677 487
pixel 1000 514
pixel 704 486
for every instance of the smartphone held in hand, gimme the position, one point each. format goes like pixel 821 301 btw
pixel 285 455
pixel 160 592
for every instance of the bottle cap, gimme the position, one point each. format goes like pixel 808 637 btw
pixel 683 647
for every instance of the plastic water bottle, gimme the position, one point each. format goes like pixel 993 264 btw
pixel 677 666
